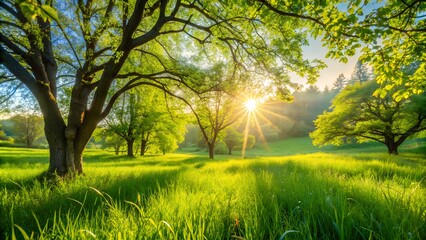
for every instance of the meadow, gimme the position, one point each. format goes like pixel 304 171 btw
pixel 298 192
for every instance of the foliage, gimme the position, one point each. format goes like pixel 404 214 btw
pixel 26 129
pixel 391 35
pixel 232 139
pixel 250 142
pixel 83 48
pixel 356 113
pixel 215 112
pixel 319 196
pixel 145 115
pixel 3 134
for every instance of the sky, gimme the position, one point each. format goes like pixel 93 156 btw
pixel 334 68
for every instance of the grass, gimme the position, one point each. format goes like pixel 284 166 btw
pixel 349 193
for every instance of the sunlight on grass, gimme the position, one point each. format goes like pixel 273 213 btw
pixel 181 196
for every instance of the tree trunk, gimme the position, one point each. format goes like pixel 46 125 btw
pixel 392 149
pixel 211 150
pixel 55 135
pixel 144 144
pixel 391 145
pixel 58 153
pixel 117 149
pixel 230 150
pixel 130 147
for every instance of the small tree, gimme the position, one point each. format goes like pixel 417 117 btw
pixel 340 83
pixel 357 113
pixel 214 114
pixel 232 139
pixel 361 74
pixel 28 128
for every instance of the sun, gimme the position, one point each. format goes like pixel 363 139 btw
pixel 250 105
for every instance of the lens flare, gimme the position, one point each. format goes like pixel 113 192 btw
pixel 250 105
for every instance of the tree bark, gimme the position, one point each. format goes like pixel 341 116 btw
pixel 391 145
pixel 55 135
pixel 117 149
pixel 144 144
pixel 211 149
pixel 130 147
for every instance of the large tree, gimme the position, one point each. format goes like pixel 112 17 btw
pixel 357 113
pixel 88 45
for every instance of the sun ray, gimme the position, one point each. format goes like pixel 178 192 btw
pixel 274 114
pixel 259 130
pixel 246 132
pixel 264 118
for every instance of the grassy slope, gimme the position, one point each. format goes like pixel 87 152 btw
pixel 333 195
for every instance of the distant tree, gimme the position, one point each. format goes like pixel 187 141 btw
pixel 232 139
pixel 109 139
pixel 357 113
pixel 214 114
pixel 123 120
pixel 168 138
pixel 3 135
pixel 312 89
pixel 115 141
pixel 250 141
pixel 192 135
pixel 340 83
pixel 162 124
pixel 326 90
pixel 142 114
pixel 360 74
pixel 27 128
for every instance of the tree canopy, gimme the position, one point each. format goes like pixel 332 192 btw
pixel 357 113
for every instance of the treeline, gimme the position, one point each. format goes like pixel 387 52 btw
pixel 280 120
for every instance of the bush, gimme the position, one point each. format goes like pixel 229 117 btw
pixel 220 149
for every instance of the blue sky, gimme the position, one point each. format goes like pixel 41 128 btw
pixel 334 67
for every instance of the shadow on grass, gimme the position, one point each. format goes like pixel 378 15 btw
pixel 66 201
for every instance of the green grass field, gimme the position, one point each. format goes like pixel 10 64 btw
pixel 354 192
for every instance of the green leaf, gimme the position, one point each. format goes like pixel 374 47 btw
pixel 50 12
pixel 28 9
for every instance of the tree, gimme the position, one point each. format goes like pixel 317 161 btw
pixel 144 114
pixel 357 113
pixel 312 89
pixel 360 74
pixel 3 135
pixel 232 139
pixel 214 114
pixel 340 83
pixel 27 128
pixel 124 120
pixel 89 45
pixel 389 35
